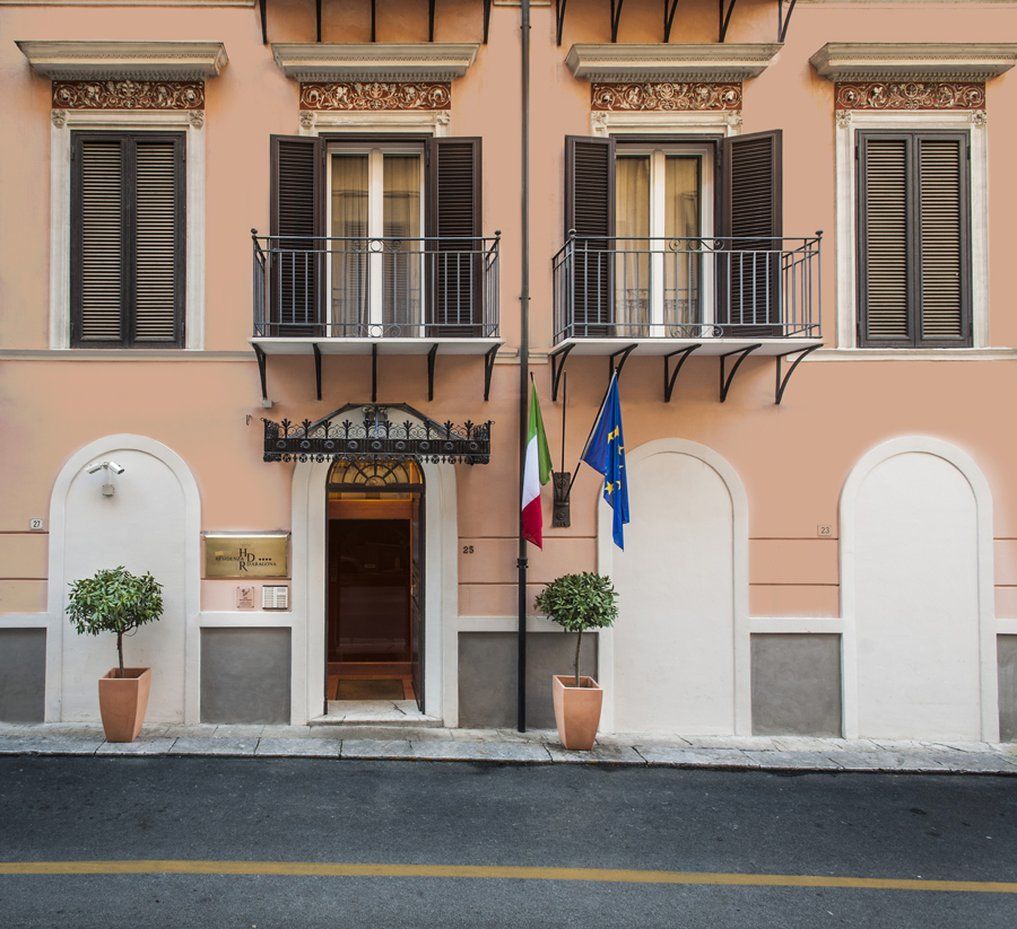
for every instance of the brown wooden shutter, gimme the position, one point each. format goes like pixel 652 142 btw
pixel 913 239
pixel 454 223
pixel 885 268
pixel 752 214
pixel 297 261
pixel 159 237
pixel 98 226
pixel 590 214
pixel 943 248
pixel 128 239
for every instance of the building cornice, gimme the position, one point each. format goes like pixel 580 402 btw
pixel 680 63
pixel 425 61
pixel 140 61
pixel 914 61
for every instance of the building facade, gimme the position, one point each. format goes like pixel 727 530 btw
pixel 260 268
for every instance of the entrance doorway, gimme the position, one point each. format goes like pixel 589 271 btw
pixel 374 644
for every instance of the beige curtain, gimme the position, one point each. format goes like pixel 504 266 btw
pixel 683 261
pixel 402 261
pixel 632 261
pixel 349 259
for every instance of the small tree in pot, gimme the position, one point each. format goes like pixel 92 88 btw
pixel 578 602
pixel 114 600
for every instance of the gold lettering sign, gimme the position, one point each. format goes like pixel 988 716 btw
pixel 254 554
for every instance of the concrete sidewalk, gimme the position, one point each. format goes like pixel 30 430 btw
pixel 507 746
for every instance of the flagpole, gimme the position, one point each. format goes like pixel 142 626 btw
pixel 524 352
pixel 586 444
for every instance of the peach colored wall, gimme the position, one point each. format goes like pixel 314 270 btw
pixel 793 459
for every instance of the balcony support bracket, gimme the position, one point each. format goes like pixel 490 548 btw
pixel 557 359
pixel 374 372
pixel 259 353
pixel 671 374
pixel 431 356
pixel 726 377
pixel 670 8
pixel 559 16
pixel 724 10
pixel 781 382
pixel 489 357
pixel 624 352
pixel 317 370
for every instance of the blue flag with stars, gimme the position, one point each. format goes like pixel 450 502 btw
pixel 605 452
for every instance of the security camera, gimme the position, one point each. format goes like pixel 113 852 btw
pixel 106 465
pixel 98 466
pixel 114 467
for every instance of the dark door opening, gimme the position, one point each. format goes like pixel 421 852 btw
pixel 374 633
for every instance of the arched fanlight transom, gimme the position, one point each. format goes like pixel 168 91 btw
pixel 375 473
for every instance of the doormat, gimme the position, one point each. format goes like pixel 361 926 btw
pixel 356 689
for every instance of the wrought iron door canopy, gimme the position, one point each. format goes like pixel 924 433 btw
pixel 392 431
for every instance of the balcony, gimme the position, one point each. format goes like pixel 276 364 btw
pixel 672 297
pixel 321 295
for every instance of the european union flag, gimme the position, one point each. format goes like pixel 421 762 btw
pixel 605 452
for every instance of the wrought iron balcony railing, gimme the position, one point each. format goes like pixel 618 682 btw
pixel 687 288
pixel 329 287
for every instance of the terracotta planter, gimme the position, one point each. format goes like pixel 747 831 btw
pixel 576 710
pixel 123 702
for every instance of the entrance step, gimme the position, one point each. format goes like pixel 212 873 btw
pixel 424 728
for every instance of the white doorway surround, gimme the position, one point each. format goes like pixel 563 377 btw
pixel 678 659
pixel 151 522
pixel 441 592
pixel 917 595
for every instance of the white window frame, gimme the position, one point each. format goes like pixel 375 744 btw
pixel 375 215
pixel 64 122
pixel 849 122
pixel 658 155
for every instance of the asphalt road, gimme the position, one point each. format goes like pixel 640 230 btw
pixel 637 819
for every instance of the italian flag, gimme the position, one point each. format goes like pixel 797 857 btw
pixel 536 473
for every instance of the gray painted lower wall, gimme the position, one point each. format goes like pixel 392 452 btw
pixel 796 684
pixel 22 675
pixel 245 676
pixel 487 676
pixel 1006 650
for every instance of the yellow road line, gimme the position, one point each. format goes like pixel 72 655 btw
pixel 487 872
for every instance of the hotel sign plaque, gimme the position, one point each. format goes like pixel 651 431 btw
pixel 246 554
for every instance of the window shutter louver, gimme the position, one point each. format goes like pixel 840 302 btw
pixel 751 213
pixel 99 266
pixel 128 239
pixel 454 223
pixel 158 241
pixel 297 203
pixel 590 213
pixel 885 267
pixel 914 281
pixel 941 166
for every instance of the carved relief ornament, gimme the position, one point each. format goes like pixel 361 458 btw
pixel 376 95
pixel 909 95
pixel 129 95
pixel 667 96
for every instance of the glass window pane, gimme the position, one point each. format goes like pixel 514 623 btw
pixel 683 259
pixel 632 261
pixel 349 254
pixel 402 261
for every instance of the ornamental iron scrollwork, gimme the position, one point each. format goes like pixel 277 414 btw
pixel 373 432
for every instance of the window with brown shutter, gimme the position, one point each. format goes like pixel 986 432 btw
pixel 127 240
pixel 914 277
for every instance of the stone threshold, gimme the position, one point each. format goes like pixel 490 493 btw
pixel 504 746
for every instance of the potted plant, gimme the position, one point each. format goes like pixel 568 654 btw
pixel 578 602
pixel 117 601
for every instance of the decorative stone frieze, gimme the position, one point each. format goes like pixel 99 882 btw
pixel 129 95
pixel 909 95
pixel 666 95
pixel 376 95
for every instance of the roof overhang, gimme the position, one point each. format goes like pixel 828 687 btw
pixel 142 61
pixel 424 61
pixel 914 61
pixel 679 63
